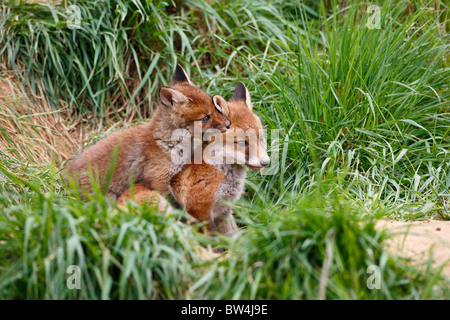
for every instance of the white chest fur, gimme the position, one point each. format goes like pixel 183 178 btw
pixel 232 187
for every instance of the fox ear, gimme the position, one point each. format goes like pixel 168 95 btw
pixel 221 104
pixel 241 94
pixel 181 75
pixel 170 97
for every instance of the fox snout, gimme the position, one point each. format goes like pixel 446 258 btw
pixel 257 163
pixel 225 126
pixel 264 162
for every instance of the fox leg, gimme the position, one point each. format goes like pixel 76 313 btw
pixel 203 216
pixel 144 195
pixel 224 220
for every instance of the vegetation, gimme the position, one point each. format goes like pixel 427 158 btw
pixel 365 133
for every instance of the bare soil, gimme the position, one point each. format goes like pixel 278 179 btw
pixel 417 239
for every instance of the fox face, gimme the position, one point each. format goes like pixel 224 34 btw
pixel 244 143
pixel 189 104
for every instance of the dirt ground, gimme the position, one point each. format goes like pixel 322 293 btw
pixel 415 239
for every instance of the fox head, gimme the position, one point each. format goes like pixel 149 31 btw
pixel 185 103
pixel 244 142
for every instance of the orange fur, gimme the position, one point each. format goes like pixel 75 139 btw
pixel 142 195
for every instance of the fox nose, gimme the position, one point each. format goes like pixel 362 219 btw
pixel 224 127
pixel 264 162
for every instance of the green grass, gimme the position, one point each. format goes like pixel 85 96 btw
pixel 140 254
pixel 317 248
pixel 365 133
pixel 120 255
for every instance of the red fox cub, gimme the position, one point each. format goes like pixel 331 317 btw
pixel 202 188
pixel 144 154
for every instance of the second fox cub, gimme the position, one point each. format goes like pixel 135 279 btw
pixel 202 188
pixel 144 153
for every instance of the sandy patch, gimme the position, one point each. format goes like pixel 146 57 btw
pixel 415 239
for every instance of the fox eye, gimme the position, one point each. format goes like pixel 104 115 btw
pixel 261 138
pixel 241 143
pixel 206 119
